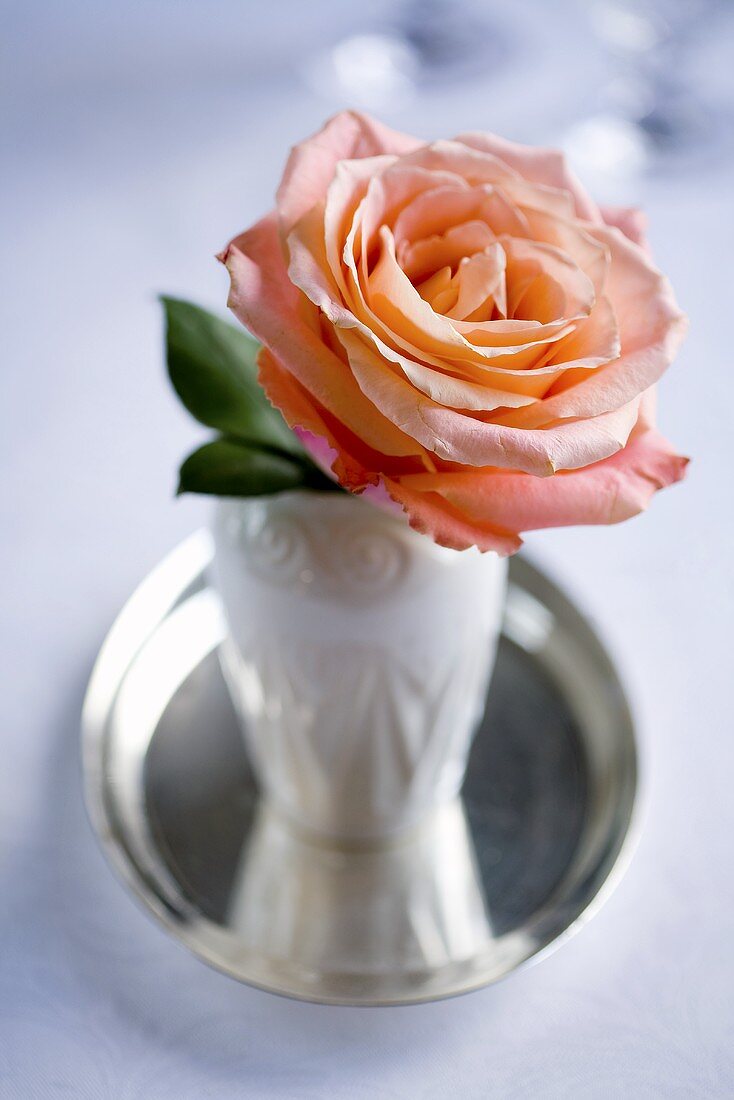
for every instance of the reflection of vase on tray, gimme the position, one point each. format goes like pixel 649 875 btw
pixel 399 908
pixel 358 658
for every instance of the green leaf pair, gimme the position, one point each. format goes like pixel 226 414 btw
pixel 212 366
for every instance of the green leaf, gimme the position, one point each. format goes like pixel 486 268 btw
pixel 213 370
pixel 229 468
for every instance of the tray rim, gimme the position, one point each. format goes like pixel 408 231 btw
pixel 176 575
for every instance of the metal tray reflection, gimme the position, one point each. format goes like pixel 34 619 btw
pixel 488 883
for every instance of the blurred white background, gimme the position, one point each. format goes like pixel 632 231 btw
pixel 137 138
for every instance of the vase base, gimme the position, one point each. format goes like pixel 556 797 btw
pixel 480 886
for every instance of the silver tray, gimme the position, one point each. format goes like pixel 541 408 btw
pixel 491 882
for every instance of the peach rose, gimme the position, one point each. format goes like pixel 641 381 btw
pixel 456 327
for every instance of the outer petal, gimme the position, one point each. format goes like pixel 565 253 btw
pixel 433 515
pixel 605 492
pixel 270 306
pixel 631 221
pixel 481 167
pixel 310 167
pixel 545 166
pixel 307 420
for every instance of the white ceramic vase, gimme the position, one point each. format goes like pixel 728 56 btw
pixel 358 657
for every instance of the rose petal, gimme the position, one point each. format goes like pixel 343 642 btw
pixel 526 260
pixel 606 492
pixel 456 437
pixel 631 221
pixel 436 210
pixel 309 271
pixel 265 300
pixel 651 329
pixel 394 299
pixel 577 239
pixel 482 285
pixel 421 258
pixel 310 167
pixel 639 294
pixel 344 195
pixel 458 393
pixel 544 166
pixel 432 515
pixel 304 417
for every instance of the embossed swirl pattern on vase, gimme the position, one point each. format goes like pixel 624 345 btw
pixel 374 560
pixel 276 546
pixel 352 561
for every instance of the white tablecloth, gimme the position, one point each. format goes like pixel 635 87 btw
pixel 137 139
